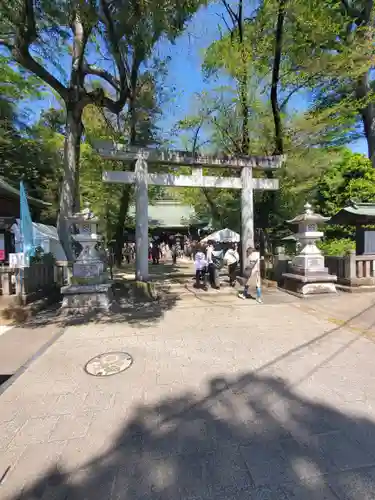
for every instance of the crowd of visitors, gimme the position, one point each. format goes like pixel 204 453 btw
pixel 209 259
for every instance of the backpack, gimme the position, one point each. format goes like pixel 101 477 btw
pixel 218 258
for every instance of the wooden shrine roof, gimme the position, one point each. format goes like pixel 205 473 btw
pixel 355 214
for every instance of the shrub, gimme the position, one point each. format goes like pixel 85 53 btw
pixel 336 247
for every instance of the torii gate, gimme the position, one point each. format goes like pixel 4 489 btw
pixel 141 178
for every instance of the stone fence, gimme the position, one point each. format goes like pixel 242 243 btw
pixel 351 270
pixel 34 282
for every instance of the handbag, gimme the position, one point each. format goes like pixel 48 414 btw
pixel 249 268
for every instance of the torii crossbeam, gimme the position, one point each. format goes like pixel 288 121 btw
pixel 141 178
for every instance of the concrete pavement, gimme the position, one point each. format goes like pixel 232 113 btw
pixel 225 400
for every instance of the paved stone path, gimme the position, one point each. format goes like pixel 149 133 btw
pixel 224 401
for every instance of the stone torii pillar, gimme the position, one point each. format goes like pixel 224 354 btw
pixel 141 178
pixel 141 210
pixel 247 213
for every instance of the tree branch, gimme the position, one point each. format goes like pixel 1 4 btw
pixel 25 59
pixel 29 35
pixel 115 106
pixel 20 50
pixel 225 22
pixel 233 16
pixel 224 132
pixel 80 37
pixel 91 69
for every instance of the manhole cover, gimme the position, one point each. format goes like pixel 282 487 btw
pixel 108 363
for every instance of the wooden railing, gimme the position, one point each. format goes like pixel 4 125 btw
pixel 35 281
pixel 352 270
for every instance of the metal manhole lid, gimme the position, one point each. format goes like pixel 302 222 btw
pixel 108 363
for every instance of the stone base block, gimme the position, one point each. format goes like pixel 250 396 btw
pixel 306 286
pixel 83 298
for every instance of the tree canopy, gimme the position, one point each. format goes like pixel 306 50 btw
pixel 284 77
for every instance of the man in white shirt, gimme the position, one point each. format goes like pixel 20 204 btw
pixel 232 258
pixel 212 271
pixel 200 264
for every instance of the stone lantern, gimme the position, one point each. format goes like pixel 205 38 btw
pixel 307 274
pixel 88 263
pixel 90 287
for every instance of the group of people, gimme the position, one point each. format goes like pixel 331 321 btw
pixel 208 263
pixel 161 250
pixel 157 250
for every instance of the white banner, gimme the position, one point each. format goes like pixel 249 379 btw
pixel 17 260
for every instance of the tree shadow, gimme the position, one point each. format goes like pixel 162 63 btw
pixel 251 437
pixel 137 311
pixel 164 269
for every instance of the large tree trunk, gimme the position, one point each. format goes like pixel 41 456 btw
pixel 69 193
pixel 279 146
pixel 368 114
pixel 245 143
pixel 270 199
pixel 127 191
pixel 243 83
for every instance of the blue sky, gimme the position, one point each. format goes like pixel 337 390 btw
pixel 185 75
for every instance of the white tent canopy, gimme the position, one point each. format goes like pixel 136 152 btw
pixel 222 236
pixel 44 236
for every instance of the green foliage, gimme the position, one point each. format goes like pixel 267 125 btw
pixel 350 178
pixel 42 257
pixel 336 247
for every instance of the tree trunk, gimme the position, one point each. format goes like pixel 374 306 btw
pixel 245 143
pixel 69 192
pixel 214 210
pixel 127 191
pixel 243 83
pixel 368 114
pixel 279 145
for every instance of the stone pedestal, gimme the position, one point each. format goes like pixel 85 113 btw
pixel 86 298
pixel 307 275
pixel 306 285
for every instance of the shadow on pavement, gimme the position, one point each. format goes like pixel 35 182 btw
pixel 250 437
pixel 128 309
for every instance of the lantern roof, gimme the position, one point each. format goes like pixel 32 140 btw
pixel 308 216
pixel 85 215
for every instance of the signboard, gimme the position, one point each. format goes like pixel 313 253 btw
pixel 81 270
pixel 17 260
pixel 2 247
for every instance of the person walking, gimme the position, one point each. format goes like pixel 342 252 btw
pixel 155 252
pixel 252 275
pixel 200 265
pixel 174 253
pixel 232 259
pixel 210 264
pixel 127 253
pixel 214 264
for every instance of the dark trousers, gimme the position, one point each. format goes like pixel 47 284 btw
pixel 213 275
pixel 232 273
pixel 201 277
